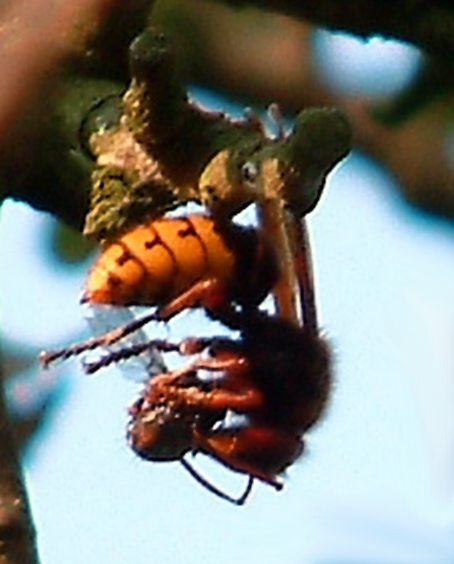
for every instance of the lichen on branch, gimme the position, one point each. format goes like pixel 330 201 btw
pixel 165 150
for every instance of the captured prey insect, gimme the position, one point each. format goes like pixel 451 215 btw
pixel 277 374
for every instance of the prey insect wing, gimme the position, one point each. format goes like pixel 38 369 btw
pixel 140 367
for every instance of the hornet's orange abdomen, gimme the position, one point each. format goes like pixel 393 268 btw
pixel 156 262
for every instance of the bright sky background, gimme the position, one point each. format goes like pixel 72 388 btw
pixel 377 483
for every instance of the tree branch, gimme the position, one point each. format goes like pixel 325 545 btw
pixel 39 161
pixel 261 58
pixel 425 23
pixel 17 534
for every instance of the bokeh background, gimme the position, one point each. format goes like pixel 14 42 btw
pixel 377 482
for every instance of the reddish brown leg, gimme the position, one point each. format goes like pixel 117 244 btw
pixel 243 401
pixel 186 347
pixel 109 338
pixel 304 272
pixel 210 294
pixel 129 352
pixel 228 392
pixel 274 219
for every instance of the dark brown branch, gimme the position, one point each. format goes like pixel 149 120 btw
pixel 32 45
pixel 17 534
pixel 38 164
pixel 425 23
pixel 415 153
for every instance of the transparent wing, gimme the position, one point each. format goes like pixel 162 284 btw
pixel 103 318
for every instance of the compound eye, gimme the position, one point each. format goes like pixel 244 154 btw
pixel 249 173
